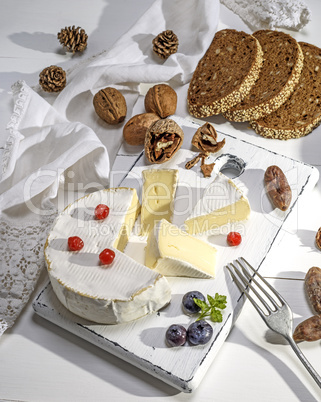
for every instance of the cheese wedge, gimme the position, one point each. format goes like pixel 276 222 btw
pixel 108 294
pixel 173 252
pixel 222 203
pixel 159 187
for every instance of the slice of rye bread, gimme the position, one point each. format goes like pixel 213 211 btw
pixel 301 113
pixel 225 74
pixel 282 66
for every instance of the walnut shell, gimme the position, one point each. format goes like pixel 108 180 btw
pixel 135 129
pixel 110 105
pixel 205 139
pixel 163 139
pixel 162 100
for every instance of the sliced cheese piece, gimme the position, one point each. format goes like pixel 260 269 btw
pixel 173 252
pixel 222 203
pixel 159 187
pixel 108 294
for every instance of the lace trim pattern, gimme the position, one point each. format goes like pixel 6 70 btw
pixel 14 136
pixel 22 260
pixel 262 14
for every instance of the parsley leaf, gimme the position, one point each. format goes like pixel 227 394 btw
pixel 213 308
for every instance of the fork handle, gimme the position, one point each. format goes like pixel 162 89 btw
pixel 304 361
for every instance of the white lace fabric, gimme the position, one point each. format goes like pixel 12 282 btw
pixel 271 14
pixel 22 259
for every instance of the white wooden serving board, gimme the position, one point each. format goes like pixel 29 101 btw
pixel 142 342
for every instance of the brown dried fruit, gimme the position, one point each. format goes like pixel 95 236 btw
pixel 135 129
pixel 110 105
pixel 318 238
pixel 205 139
pixel 277 188
pixel 162 100
pixel 308 330
pixel 313 288
pixel 163 140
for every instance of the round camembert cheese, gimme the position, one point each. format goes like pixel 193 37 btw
pixel 108 294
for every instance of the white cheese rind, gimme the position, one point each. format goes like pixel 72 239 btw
pixel 222 203
pixel 120 292
pixel 144 293
pixel 166 253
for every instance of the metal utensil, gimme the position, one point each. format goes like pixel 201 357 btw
pixel 277 314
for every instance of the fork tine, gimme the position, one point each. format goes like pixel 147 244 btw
pixel 243 290
pixel 247 278
pixel 250 277
pixel 281 299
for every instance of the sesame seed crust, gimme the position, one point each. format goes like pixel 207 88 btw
pixel 203 99
pixel 301 113
pixel 288 62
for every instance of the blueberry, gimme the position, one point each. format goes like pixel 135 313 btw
pixel 199 333
pixel 176 335
pixel 189 305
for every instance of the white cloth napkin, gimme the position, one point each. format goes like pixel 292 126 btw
pixel 271 14
pixel 64 144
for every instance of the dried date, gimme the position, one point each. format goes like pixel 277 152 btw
pixel 318 238
pixel 308 330
pixel 313 288
pixel 277 188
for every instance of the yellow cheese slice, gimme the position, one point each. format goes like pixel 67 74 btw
pixel 159 187
pixel 173 252
pixel 222 203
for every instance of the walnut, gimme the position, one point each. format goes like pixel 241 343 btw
pixel 205 139
pixel 110 105
pixel 162 100
pixel 135 129
pixel 163 140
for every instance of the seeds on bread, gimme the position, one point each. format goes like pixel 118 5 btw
pixel 301 113
pixel 282 65
pixel 225 74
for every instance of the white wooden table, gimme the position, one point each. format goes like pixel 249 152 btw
pixel 41 362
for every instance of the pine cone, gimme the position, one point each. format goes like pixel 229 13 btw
pixel 52 79
pixel 74 39
pixel 165 44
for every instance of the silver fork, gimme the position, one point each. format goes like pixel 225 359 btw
pixel 278 318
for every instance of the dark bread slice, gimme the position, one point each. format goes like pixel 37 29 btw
pixel 282 65
pixel 301 113
pixel 225 74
